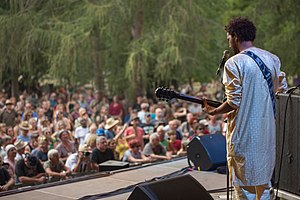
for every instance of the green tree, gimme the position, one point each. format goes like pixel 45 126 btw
pixel 180 41
pixel 277 25
pixel 132 46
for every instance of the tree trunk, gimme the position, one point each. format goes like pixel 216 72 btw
pixel 14 82
pixel 97 67
pixel 136 31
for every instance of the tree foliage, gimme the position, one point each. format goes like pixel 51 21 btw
pixel 92 41
pixel 278 28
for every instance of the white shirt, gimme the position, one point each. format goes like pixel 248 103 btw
pixel 80 134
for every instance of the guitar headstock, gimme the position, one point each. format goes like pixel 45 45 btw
pixel 165 93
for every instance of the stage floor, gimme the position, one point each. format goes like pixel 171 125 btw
pixel 210 180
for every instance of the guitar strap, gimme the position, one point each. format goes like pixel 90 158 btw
pixel 267 75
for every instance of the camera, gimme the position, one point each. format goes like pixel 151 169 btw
pixel 86 154
pixel 32 160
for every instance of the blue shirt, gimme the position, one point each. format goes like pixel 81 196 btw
pixel 109 134
pixel 23 138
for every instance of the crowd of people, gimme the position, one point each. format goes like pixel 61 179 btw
pixel 60 134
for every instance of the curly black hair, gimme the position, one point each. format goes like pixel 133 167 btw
pixel 242 27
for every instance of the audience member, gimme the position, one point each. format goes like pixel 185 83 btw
pixel 97 103
pixel 173 125
pixel 6 180
pixel 54 167
pixel 116 109
pixel 82 101
pixel 134 131
pixel 11 134
pixel 10 159
pixel 24 128
pixel 20 147
pixel 47 110
pixel 195 109
pixel 159 118
pixel 81 131
pixel 59 116
pixel 214 126
pixel 2 130
pixel 91 141
pixel 183 150
pixel 179 112
pixel 81 162
pixel 148 128
pixel 66 147
pixel 204 125
pixel 186 127
pixel 134 154
pixel 83 114
pixel 92 131
pixel 102 153
pixel 110 127
pixel 29 170
pixel 155 150
pixel 174 144
pixel 8 115
pixel 122 144
pixel 142 113
pixel 33 143
pixel 6 140
pixel 41 152
pixel 162 136
pixel 111 143
pixel 137 105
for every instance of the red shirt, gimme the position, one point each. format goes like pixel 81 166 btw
pixel 138 134
pixel 177 144
pixel 115 109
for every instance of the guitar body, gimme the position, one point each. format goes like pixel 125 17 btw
pixel 168 94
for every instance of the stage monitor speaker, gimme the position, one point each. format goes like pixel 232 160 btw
pixel 207 152
pixel 112 165
pixel 178 188
pixel 290 170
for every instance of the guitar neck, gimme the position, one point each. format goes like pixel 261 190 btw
pixel 212 103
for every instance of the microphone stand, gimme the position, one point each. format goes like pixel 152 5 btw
pixel 219 74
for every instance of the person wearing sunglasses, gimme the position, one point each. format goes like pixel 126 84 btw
pixel 134 154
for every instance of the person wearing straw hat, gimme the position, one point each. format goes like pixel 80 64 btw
pixel 8 114
pixel 83 114
pixel 24 128
pixel 109 127
pixel 20 147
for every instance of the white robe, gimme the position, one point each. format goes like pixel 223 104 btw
pixel 251 130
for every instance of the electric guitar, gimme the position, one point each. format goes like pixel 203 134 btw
pixel 168 94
